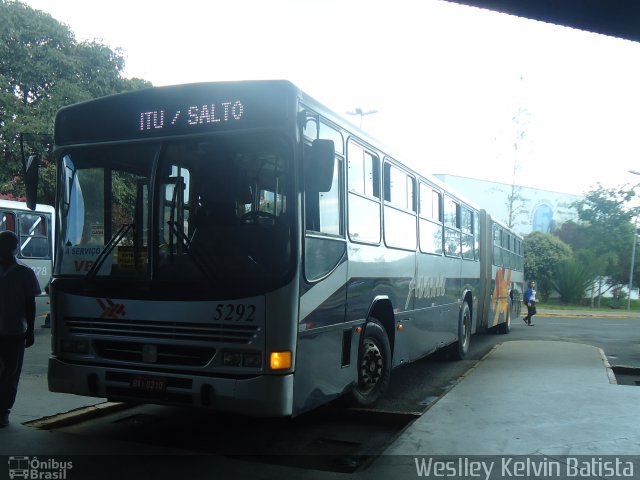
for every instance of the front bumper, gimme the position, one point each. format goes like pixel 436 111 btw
pixel 260 396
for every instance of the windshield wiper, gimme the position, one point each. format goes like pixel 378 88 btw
pixel 108 248
pixel 192 253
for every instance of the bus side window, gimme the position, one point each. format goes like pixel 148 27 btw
pixel 452 240
pixel 34 242
pixel 363 180
pixel 431 231
pixel 400 229
pixel 497 246
pixel 466 224
pixel 7 221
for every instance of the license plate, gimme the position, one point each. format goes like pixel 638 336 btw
pixel 149 384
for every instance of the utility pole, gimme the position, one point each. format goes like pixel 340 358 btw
pixel 633 251
pixel 633 261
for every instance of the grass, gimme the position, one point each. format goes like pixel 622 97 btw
pixel 606 305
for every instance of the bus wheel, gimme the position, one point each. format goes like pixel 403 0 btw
pixel 505 327
pixel 464 332
pixel 374 366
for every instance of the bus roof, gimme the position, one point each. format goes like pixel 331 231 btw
pixel 204 107
pixel 14 205
pixel 384 149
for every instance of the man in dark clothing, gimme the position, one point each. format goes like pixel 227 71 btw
pixel 18 289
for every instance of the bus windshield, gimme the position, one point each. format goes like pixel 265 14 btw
pixel 213 209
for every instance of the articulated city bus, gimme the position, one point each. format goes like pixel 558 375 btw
pixel 240 247
pixel 34 229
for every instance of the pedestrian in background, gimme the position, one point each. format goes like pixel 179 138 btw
pixel 18 289
pixel 530 302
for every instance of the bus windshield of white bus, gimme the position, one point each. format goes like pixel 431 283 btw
pixel 209 208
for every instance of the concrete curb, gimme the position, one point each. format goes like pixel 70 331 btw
pixel 78 415
pixel 587 314
pixel 610 373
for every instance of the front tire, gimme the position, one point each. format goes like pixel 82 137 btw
pixel 374 366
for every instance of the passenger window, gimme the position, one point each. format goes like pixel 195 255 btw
pixel 476 242
pixel 7 221
pixel 466 220
pixel 451 213
pixel 430 237
pixel 466 225
pixel 430 202
pixel 452 242
pixel 364 171
pixel 34 242
pixel 398 188
pixel 497 249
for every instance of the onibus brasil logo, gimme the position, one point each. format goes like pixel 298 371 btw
pixel 33 468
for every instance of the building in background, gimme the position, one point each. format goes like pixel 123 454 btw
pixel 532 209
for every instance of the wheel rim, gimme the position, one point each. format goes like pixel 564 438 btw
pixel 466 331
pixel 371 366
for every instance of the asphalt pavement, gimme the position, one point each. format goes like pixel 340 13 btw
pixel 541 399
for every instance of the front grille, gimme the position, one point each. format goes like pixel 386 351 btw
pixel 179 355
pixel 155 329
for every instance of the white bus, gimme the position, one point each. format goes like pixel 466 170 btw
pixel 34 229
pixel 240 247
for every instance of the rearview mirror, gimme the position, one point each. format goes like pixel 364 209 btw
pixel 319 168
pixel 31 167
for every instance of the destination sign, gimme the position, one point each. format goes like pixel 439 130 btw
pixel 194 115
pixel 178 110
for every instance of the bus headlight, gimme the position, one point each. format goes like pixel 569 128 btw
pixel 232 358
pixel 252 360
pixel 76 346
pixel 280 360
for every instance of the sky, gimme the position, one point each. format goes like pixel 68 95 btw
pixel 457 90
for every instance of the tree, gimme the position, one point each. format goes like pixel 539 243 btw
pixel 605 231
pixel 43 68
pixel 516 203
pixel 543 254
pixel 580 237
pixel 571 281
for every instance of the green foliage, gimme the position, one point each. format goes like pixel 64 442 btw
pixel 43 68
pixel 543 253
pixel 619 299
pixel 125 189
pixel 571 281
pixel 604 235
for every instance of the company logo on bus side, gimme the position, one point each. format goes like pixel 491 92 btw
pixel 192 116
pixel 500 295
pixel 425 287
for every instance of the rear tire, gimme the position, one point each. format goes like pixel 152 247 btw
pixel 505 327
pixel 374 366
pixel 464 333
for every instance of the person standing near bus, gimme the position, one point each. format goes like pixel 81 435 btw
pixel 530 301
pixel 18 289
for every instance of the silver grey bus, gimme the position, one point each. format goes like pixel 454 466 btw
pixel 34 229
pixel 240 247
